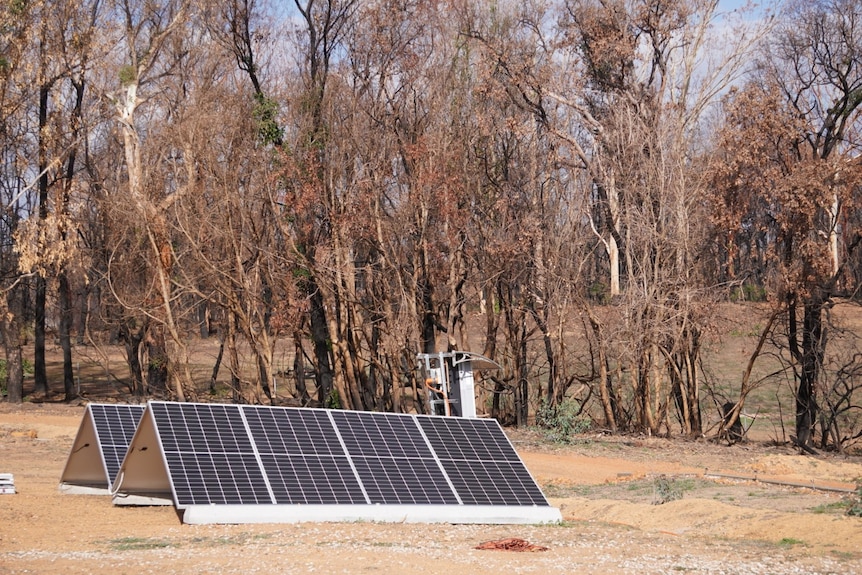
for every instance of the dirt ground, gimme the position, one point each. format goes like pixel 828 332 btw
pixel 631 505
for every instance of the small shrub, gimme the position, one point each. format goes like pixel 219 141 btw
pixel 26 365
pixel 748 292
pixel 561 421
pixel 333 400
pixel 665 490
pixel 599 292
pixel 755 293
pixel 220 391
pixel 854 507
pixel 753 332
pixel 790 542
pixel 831 508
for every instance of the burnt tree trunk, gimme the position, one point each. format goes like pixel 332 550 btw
pixel 811 359
pixel 65 301
pixel 157 364
pixel 39 371
pixel 320 338
pixel 216 367
pixel 65 290
pixel 14 345
pixel 299 368
pixel 132 338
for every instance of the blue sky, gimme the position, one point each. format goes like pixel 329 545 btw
pixel 731 4
pixel 726 5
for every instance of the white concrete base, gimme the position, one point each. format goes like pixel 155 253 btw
pixel 455 514
pixel 143 500
pixel 77 489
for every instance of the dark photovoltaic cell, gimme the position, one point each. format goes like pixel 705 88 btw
pixel 311 479
pixel 458 438
pixel 201 428
pixel 374 434
pixel 115 426
pixel 404 481
pixel 217 478
pixel 302 456
pixel 493 483
pixel 241 454
pixel 292 431
pixel 394 462
pixel 481 462
pixel 209 454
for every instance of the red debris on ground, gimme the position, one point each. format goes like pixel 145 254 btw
pixel 511 544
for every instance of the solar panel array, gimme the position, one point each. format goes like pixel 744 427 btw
pixel 242 454
pixel 115 425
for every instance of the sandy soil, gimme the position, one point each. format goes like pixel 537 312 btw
pixel 731 511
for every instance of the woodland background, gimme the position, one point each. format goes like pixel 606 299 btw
pixel 584 182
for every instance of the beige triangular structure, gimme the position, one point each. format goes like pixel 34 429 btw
pixel 99 447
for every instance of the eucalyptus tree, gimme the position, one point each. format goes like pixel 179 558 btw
pixel 68 45
pixel 621 88
pixel 791 146
pixel 17 30
pixel 309 197
pixel 227 250
pixel 653 77
pixel 386 165
pixel 151 36
pixel 46 52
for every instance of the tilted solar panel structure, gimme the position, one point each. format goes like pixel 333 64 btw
pixel 257 464
pixel 99 447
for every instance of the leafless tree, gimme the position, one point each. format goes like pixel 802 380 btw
pixel 797 127
pixel 147 33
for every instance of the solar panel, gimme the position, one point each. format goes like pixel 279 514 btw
pixel 481 462
pixel 393 460
pixel 115 426
pixel 99 447
pixel 242 463
pixel 303 457
pixel 210 455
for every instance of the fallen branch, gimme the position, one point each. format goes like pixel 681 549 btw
pixel 511 544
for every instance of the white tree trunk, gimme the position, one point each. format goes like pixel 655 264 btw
pixel 833 234
pixel 614 257
pixel 613 248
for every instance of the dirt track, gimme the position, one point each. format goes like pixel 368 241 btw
pixel 601 485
